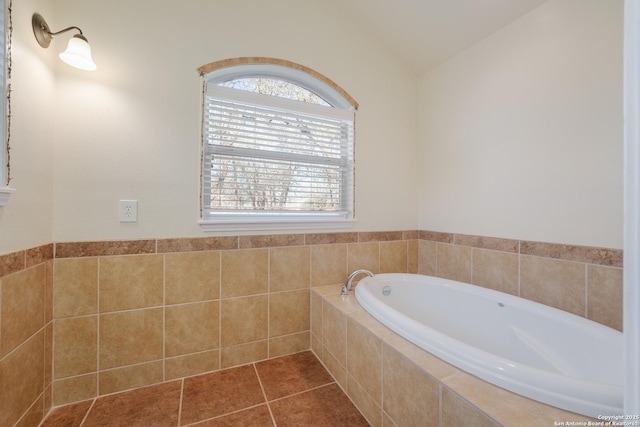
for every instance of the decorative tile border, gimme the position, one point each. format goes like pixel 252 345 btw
pixel 13 262
pixel 586 254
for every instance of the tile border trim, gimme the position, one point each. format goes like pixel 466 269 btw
pixel 19 260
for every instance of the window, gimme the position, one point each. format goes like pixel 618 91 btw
pixel 277 149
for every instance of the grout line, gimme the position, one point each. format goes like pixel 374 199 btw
pixel 264 394
pixel 217 417
pixel 308 390
pixel 586 291
pixel 268 337
pixel 180 404
pixel 219 347
pixel 88 411
pixel 164 316
pixel 98 317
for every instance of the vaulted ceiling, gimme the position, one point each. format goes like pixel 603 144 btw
pixel 425 33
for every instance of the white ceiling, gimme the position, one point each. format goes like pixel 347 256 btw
pixel 425 33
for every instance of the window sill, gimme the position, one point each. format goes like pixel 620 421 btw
pixel 5 193
pixel 236 223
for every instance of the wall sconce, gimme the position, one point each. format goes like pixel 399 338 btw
pixel 78 53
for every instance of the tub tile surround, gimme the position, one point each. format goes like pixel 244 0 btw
pixel 395 383
pixel 195 305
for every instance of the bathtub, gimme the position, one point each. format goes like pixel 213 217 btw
pixel 528 348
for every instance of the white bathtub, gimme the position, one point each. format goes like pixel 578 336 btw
pixel 531 349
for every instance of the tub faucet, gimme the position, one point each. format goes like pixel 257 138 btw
pixel 347 286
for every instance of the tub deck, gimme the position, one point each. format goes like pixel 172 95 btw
pixel 389 378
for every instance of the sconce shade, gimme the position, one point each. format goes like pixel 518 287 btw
pixel 78 53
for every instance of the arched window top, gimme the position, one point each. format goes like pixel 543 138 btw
pixel 251 68
pixel 275 87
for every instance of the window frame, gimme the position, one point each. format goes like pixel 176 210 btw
pixel 5 190
pixel 266 220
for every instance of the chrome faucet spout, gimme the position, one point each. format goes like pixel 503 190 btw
pixel 347 286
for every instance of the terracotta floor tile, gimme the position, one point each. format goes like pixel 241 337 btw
pixel 326 406
pixel 258 416
pixel 67 416
pixel 156 406
pixel 211 395
pixel 292 374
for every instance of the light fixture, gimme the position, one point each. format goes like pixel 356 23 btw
pixel 78 53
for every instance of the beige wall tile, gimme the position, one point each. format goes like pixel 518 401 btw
pixel 337 369
pixel 48 292
pixel 244 353
pixel 458 412
pixel 245 272
pixel 289 312
pixel 364 359
pixel 75 389
pixel 75 346
pixel 289 344
pixel 495 270
pixel 387 422
pixel 328 264
pixel 34 414
pixel 119 379
pixel 454 262
pixel 75 287
pixel 192 364
pixel 393 257
pixel 371 410
pixel 316 314
pixel 427 258
pixel 191 328
pixel 413 259
pixel 21 379
pixel 506 408
pixel 364 255
pixel 411 397
pixel 48 355
pixel 560 284
pixel 192 276
pixel 142 341
pixel 316 346
pixel 604 298
pixel 289 268
pixel 243 320
pixel 128 282
pixel 334 332
pixel 22 311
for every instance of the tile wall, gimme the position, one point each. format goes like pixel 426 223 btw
pixel 129 314
pixel 108 316
pixel 586 281
pixel 26 330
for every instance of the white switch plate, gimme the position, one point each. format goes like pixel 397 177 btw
pixel 128 211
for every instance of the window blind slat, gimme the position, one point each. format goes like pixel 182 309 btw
pixel 264 153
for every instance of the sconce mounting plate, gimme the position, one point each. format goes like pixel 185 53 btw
pixel 41 30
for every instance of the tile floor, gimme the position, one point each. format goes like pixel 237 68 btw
pixel 293 390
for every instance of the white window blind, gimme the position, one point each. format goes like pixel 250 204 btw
pixel 269 158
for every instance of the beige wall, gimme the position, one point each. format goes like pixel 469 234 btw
pixel 130 130
pixel 521 135
pixel 27 220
